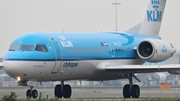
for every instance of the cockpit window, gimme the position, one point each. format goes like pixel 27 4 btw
pixel 41 48
pixel 45 48
pixel 13 47
pixel 27 47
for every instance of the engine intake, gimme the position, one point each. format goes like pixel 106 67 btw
pixel 155 50
pixel 146 49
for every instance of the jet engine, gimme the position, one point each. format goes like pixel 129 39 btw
pixel 155 50
pixel 159 76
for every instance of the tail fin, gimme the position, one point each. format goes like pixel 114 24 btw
pixel 151 22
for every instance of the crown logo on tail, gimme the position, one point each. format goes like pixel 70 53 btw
pixel 155 3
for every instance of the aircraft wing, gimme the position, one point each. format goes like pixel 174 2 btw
pixel 126 69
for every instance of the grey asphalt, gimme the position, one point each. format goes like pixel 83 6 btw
pixel 95 93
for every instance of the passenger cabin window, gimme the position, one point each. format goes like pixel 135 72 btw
pixel 41 48
pixel 13 47
pixel 27 47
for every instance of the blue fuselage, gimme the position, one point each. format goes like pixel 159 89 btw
pixel 75 46
pixel 67 56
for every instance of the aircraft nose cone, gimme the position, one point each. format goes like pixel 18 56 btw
pixel 15 68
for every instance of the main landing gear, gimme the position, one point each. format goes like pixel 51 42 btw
pixel 31 93
pixel 62 90
pixel 131 90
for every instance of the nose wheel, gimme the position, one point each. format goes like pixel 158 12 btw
pixel 31 93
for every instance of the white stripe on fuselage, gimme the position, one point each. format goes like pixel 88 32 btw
pixel 69 70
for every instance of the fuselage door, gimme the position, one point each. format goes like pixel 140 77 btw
pixel 112 50
pixel 58 55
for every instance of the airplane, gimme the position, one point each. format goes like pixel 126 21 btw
pixel 93 56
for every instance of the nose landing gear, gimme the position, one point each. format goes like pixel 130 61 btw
pixel 31 93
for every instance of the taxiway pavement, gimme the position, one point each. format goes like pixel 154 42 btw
pixel 95 93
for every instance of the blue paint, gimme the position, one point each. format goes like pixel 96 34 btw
pixel 155 3
pixel 154 16
pixel 77 46
pixel 164 49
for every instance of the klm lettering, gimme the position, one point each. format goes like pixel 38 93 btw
pixel 66 43
pixel 154 16
pixel 164 49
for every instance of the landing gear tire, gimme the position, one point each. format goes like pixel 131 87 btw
pixel 135 91
pixel 31 93
pixel 67 91
pixel 34 93
pixel 28 93
pixel 58 91
pixel 64 91
pixel 126 91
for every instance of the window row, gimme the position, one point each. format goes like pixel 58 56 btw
pixel 96 50
pixel 30 47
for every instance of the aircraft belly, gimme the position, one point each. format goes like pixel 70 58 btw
pixel 70 70
pixel 41 71
pixel 76 70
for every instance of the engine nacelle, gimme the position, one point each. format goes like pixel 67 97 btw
pixel 155 50
pixel 159 76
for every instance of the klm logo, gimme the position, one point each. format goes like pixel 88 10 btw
pixel 66 43
pixel 155 3
pixel 164 49
pixel 154 16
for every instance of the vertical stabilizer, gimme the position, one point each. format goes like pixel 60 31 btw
pixel 151 22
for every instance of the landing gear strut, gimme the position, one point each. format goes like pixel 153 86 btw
pixel 131 90
pixel 62 90
pixel 31 93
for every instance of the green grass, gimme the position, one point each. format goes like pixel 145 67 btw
pixel 14 97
